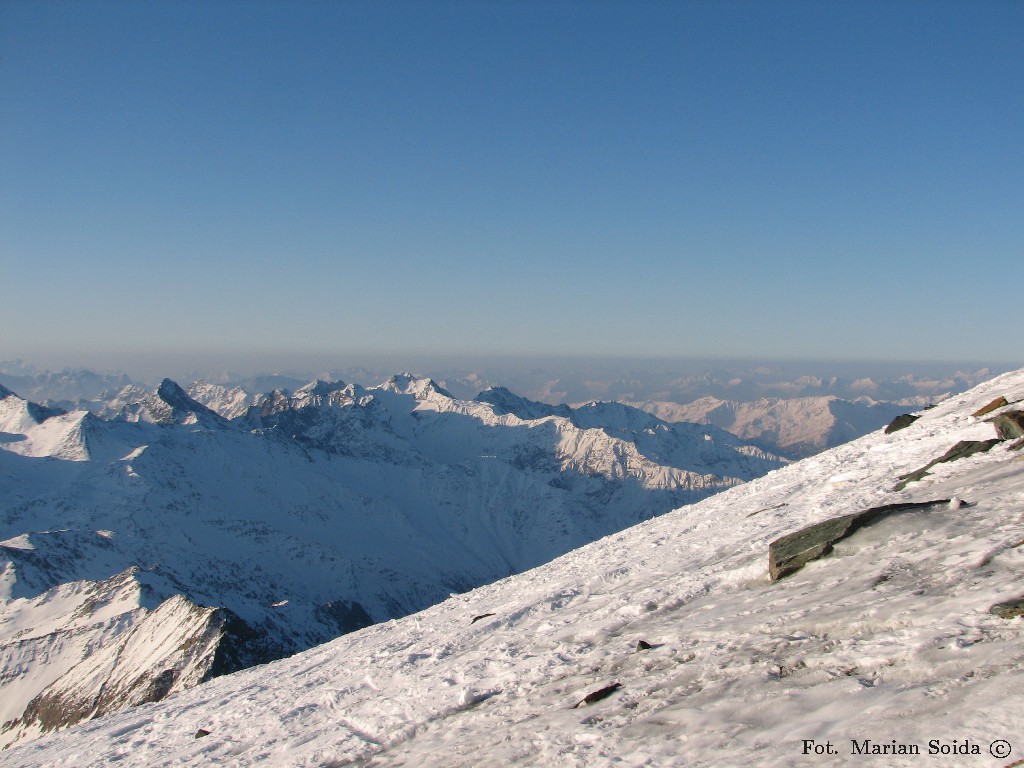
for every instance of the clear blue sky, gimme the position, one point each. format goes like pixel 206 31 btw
pixel 791 179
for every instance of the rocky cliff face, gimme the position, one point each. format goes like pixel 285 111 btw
pixel 172 648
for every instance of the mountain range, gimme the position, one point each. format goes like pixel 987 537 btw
pixel 158 543
pixel 785 410
pixel 859 607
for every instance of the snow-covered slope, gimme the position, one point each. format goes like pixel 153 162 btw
pixel 902 638
pixel 314 513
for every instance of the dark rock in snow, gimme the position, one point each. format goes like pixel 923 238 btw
pixel 481 616
pixel 961 450
pixel 901 422
pixel 600 693
pixel 793 551
pixel 1009 425
pixel 643 645
pixel 162 684
pixel 999 402
pixel 202 732
pixel 1009 609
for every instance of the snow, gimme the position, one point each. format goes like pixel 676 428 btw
pixel 29 430
pixel 888 639
pixel 19 542
pixel 376 496
pixel 42 638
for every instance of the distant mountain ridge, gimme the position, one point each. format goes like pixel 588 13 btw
pixel 312 512
pixel 795 427
pixel 776 407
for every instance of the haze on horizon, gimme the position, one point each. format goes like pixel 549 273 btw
pixel 572 381
pixel 310 181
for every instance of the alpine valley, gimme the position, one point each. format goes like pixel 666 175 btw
pixel 159 542
pixel 861 607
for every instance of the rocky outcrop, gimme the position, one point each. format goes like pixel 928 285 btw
pixel 1009 425
pixel 1009 609
pixel 600 694
pixel 901 422
pixel 961 450
pixel 792 552
pixel 999 402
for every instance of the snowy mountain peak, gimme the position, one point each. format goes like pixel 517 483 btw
pixel 230 402
pixel 507 402
pixel 319 388
pixel 14 407
pixel 186 410
pixel 422 388
pixel 31 429
pixel 170 404
pixel 320 393
pixel 175 396
pixel 274 402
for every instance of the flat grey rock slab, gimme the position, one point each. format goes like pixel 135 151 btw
pixel 793 551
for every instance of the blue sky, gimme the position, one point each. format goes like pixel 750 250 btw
pixel 679 179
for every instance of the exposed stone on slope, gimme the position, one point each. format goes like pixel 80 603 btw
pixel 901 422
pixel 999 402
pixel 961 450
pixel 792 552
pixel 1009 609
pixel 1009 425
pixel 598 695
